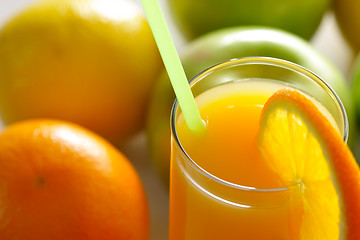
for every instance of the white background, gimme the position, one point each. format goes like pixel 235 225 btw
pixel 327 40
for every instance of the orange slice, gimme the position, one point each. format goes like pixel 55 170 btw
pixel 302 146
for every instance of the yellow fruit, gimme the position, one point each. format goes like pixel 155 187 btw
pixel 59 181
pixel 304 148
pixel 92 62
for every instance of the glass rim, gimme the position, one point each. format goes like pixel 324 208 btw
pixel 243 61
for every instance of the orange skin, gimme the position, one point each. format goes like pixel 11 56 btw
pixel 59 181
pixel 342 161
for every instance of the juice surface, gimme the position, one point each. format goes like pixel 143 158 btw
pixel 228 151
pixel 228 148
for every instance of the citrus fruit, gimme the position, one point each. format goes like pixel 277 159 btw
pixel 196 18
pixel 91 62
pixel 348 19
pixel 231 43
pixel 303 147
pixel 60 181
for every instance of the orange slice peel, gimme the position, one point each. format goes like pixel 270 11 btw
pixel 301 145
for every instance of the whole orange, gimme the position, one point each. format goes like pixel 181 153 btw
pixel 59 181
pixel 92 62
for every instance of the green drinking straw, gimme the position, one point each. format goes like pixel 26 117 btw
pixel 173 65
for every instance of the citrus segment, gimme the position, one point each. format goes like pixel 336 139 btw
pixel 302 145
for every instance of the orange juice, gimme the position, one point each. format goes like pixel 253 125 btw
pixel 220 185
pixel 259 206
pixel 231 112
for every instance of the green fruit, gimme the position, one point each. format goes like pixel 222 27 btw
pixel 355 80
pixel 195 18
pixel 348 19
pixel 223 45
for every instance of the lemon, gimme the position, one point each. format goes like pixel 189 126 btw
pixel 92 62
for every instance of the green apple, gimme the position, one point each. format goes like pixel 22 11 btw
pixel 355 80
pixel 196 17
pixel 230 43
pixel 348 19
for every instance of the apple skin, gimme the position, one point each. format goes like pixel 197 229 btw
pixel 355 81
pixel 223 45
pixel 197 17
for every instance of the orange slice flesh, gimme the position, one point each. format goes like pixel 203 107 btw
pixel 302 146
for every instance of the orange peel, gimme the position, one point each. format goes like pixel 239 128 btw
pixel 302 146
